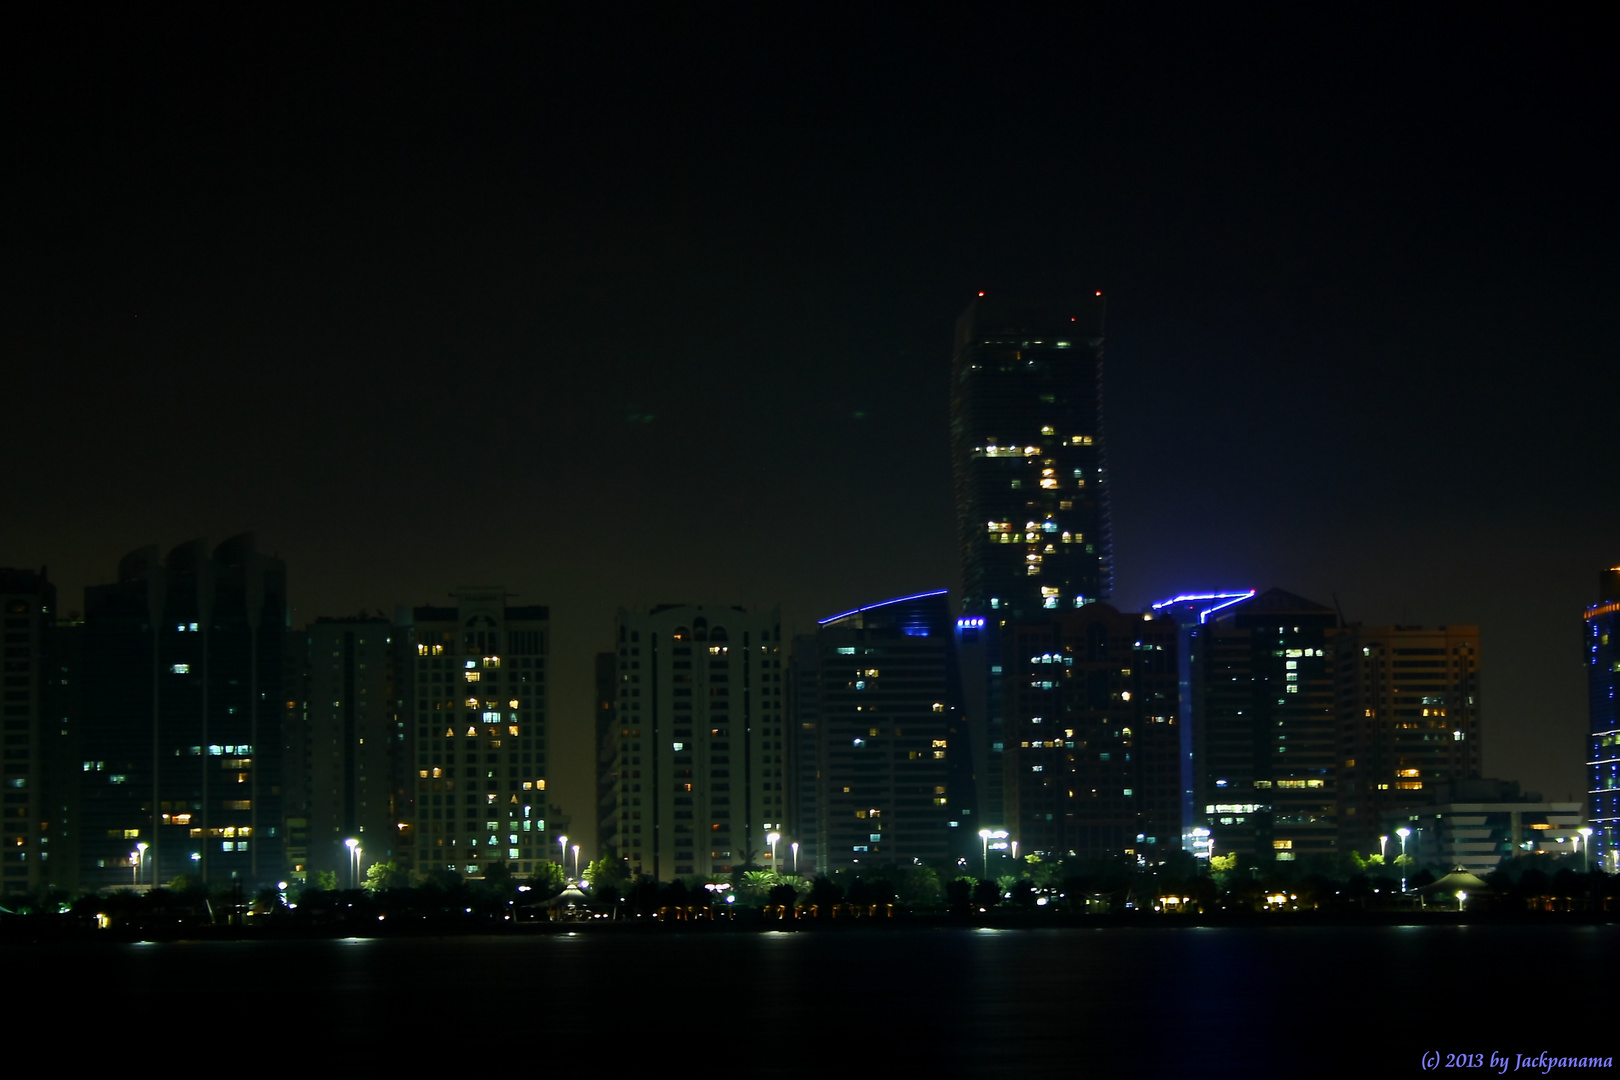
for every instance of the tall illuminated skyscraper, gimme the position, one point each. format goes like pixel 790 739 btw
pixel 1031 491
pixel 1603 749
pixel 1027 448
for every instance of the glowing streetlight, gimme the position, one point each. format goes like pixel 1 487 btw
pixel 562 856
pixel 1383 840
pixel 1403 834
pixel 1586 848
pixel 576 862
pixel 354 862
pixel 140 858
pixel 795 847
pixel 771 838
pixel 134 868
pixel 984 842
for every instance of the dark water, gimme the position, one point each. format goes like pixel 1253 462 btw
pixel 949 1002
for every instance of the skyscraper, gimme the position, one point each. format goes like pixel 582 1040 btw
pixel 1603 748
pixel 1190 611
pixel 1091 760
pixel 477 697
pixel 892 774
pixel 181 697
pixel 700 759
pixel 1408 705
pixel 31 799
pixel 348 776
pixel 1031 491
pixel 1027 449
pixel 1267 738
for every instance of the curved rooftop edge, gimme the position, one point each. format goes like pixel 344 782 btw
pixel 881 604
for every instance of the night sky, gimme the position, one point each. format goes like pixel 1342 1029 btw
pixel 641 306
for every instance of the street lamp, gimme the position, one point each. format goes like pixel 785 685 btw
pixel 771 838
pixel 576 862
pixel 562 856
pixel 795 846
pixel 140 854
pixel 1403 834
pixel 984 841
pixel 134 868
pixel 354 862
pixel 1382 854
pixel 1586 848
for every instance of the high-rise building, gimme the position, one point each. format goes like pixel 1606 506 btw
pixel 700 762
pixel 1027 447
pixel 607 739
pixel 804 801
pixel 1603 747
pixel 1408 705
pixel 477 699
pixel 31 800
pixel 1031 488
pixel 181 699
pixel 347 773
pixel 1190 611
pixel 1267 739
pixel 880 694
pixel 1092 735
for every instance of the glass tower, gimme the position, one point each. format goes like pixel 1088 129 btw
pixel 1027 447
pixel 1031 491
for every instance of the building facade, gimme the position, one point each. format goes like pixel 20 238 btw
pixel 1475 825
pixel 1031 485
pixel 892 770
pixel 1408 708
pixel 700 762
pixel 1602 629
pixel 33 790
pixel 1027 451
pixel 477 678
pixel 348 776
pixel 607 738
pixel 181 704
pixel 1267 736
pixel 1092 759
pixel 1190 611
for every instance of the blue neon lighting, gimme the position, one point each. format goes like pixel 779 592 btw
pixel 1228 598
pixel 884 603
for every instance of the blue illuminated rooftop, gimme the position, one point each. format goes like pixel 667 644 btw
pixel 882 604
pixel 1205 603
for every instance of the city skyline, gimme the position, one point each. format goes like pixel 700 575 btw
pixel 354 290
